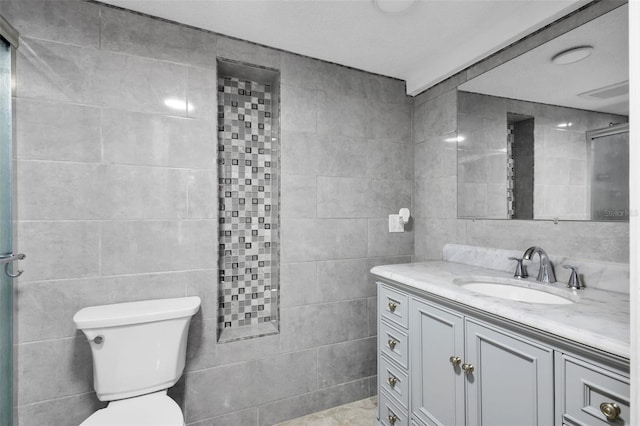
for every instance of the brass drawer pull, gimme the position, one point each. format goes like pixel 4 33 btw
pixel 392 381
pixel 392 306
pixel 392 344
pixel 468 368
pixel 392 419
pixel 455 360
pixel 611 410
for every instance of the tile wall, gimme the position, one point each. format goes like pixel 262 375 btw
pixel 116 202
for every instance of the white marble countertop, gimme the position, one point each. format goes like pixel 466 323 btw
pixel 597 318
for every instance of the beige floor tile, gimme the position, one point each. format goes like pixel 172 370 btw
pixel 358 413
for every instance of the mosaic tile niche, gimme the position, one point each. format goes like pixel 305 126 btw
pixel 248 192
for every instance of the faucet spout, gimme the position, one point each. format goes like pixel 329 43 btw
pixel 545 273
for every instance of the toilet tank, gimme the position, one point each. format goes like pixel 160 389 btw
pixel 137 347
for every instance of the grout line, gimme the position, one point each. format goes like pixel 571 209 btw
pixel 103 163
pixel 54 399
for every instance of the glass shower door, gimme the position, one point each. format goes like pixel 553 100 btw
pixel 6 287
pixel 609 172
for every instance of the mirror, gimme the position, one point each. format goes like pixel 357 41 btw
pixel 548 139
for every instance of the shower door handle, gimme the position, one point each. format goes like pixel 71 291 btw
pixel 7 259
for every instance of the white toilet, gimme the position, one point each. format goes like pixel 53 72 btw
pixel 139 351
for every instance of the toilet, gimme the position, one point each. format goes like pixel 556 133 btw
pixel 138 351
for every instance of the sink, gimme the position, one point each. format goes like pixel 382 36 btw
pixel 520 294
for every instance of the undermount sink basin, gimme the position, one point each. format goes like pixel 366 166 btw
pixel 520 294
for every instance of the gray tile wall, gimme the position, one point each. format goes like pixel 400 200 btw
pixel 116 202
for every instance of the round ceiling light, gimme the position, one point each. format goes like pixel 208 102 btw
pixel 573 55
pixel 394 7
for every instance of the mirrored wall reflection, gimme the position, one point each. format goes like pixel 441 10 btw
pixel 530 131
pixel 526 160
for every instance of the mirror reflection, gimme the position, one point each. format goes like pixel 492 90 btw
pixel 547 138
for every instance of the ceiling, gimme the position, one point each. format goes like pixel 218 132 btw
pixel 533 77
pixel 429 42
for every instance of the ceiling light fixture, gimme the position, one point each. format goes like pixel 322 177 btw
pixel 573 55
pixel 393 7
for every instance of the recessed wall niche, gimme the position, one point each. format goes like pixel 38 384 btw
pixel 249 195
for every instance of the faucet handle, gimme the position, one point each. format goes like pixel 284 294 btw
pixel 574 280
pixel 521 270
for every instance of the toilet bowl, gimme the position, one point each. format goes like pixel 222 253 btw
pixel 155 409
pixel 139 351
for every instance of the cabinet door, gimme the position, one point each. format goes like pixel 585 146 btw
pixel 437 386
pixel 581 388
pixel 512 379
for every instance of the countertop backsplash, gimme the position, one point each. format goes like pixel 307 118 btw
pixel 608 276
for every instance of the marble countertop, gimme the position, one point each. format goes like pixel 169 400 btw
pixel 597 318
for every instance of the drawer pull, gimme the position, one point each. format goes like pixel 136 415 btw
pixel 392 344
pixel 467 368
pixel 392 381
pixel 455 360
pixel 610 410
pixel 392 306
pixel 392 419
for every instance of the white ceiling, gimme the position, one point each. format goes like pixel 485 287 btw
pixel 535 78
pixel 426 44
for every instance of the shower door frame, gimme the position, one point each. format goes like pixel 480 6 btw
pixel 9 38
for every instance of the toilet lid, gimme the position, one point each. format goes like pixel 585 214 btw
pixel 155 409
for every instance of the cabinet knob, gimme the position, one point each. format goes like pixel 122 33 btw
pixel 611 410
pixel 392 381
pixel 392 419
pixel 455 360
pixel 467 368
pixel 392 306
pixel 392 344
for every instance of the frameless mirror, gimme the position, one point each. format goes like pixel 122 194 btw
pixel 545 135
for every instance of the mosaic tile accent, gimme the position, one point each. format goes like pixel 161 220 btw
pixel 248 204
pixel 510 171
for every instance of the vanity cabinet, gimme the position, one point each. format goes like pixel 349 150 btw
pixel 440 363
pixel 590 394
pixel 437 351
pixel 393 357
pixel 467 372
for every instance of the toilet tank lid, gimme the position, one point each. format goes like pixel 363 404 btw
pixel 136 312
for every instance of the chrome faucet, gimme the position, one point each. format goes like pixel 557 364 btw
pixel 545 273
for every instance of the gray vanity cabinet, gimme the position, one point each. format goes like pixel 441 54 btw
pixel 588 393
pixel 436 351
pixel 466 372
pixel 440 363
pixel 393 357
pixel 512 378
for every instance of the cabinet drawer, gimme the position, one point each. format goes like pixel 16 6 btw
pixel 394 381
pixel 393 305
pixel 394 344
pixel 390 413
pixel 586 387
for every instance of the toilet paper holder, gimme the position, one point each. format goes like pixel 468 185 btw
pixel 404 214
